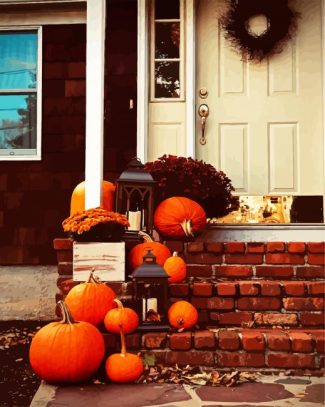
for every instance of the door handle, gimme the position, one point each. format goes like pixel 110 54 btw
pixel 203 113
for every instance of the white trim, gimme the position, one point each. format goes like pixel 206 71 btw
pixel 190 77
pixel 22 155
pixel 142 75
pixel 323 59
pixel 96 22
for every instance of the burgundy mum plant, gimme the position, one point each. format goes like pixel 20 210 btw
pixel 194 179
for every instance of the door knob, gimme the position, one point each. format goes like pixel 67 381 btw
pixel 203 113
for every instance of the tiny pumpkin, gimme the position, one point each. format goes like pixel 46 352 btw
pixel 136 254
pixel 175 267
pixel 179 217
pixel 182 315
pixel 66 351
pixel 121 318
pixel 90 301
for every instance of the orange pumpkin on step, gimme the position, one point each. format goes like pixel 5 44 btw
pixel 175 267
pixel 137 252
pixel 182 315
pixel 90 301
pixel 66 351
pixel 121 318
pixel 77 203
pixel 179 217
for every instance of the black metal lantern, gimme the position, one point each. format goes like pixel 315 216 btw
pixel 135 197
pixel 150 294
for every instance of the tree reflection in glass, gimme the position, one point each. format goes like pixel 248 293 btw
pixel 167 79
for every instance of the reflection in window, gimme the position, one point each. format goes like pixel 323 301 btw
pixel 167 40
pixel 167 80
pixel 166 9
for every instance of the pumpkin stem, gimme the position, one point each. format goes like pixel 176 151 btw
pixel 119 303
pixel 180 321
pixel 92 278
pixel 175 254
pixel 66 314
pixel 123 345
pixel 187 227
pixel 145 236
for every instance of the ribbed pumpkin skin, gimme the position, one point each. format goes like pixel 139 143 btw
pixel 77 203
pixel 90 302
pixel 172 212
pixel 124 369
pixel 182 314
pixel 175 267
pixel 121 318
pixel 66 353
pixel 137 252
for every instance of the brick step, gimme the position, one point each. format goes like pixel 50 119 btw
pixel 231 348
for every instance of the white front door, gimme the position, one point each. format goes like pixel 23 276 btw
pixel 265 126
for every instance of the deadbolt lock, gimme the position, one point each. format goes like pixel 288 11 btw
pixel 203 93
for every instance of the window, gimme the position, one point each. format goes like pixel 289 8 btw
pixel 20 105
pixel 167 50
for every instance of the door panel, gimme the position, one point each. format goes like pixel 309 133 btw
pixel 265 126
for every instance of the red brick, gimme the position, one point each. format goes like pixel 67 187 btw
pixel 180 341
pixel 193 358
pixel 274 272
pixel 296 247
pixel 316 288
pixel 248 288
pixel 76 70
pixel 228 340
pixel 204 340
pixel 236 359
pixel 275 319
pixel 303 303
pixel 159 354
pixel 65 284
pixel 155 340
pixel 254 247
pixel 322 362
pixel 65 268
pixel 316 247
pixel 300 342
pixel 286 360
pixel 132 341
pixel 278 341
pixel 62 244
pixel 310 272
pixel 75 88
pixel 233 318
pixel 234 271
pixel 284 258
pixel 319 339
pixel 213 303
pixel 270 288
pixel 179 290
pixel 316 259
pixel 253 341
pixel 214 247
pixel 275 247
pixel 235 247
pixel 202 289
pixel 244 258
pixel 312 318
pixel 226 288
pixel 64 256
pixel 175 246
pixel 203 317
pixel 260 303
pixel 203 258
pixel 195 247
pixel 199 271
pixel 294 288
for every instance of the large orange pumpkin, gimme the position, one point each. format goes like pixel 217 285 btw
pixel 77 203
pixel 66 351
pixel 136 254
pixel 121 318
pixel 179 217
pixel 182 314
pixel 175 267
pixel 90 301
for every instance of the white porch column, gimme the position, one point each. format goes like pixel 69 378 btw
pixel 95 62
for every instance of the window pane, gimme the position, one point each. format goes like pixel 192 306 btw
pixel 167 83
pixel 166 9
pixel 17 121
pixel 18 56
pixel 167 40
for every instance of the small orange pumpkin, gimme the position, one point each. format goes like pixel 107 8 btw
pixel 178 217
pixel 175 267
pixel 121 318
pixel 77 203
pixel 123 367
pixel 137 252
pixel 182 315
pixel 90 301
pixel 66 351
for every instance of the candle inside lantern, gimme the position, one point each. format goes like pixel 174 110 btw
pixel 147 305
pixel 134 220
